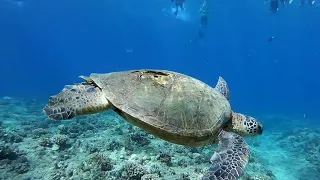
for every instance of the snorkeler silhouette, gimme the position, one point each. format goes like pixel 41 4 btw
pixel 285 2
pixel 179 4
pixel 203 19
pixel 274 6
pixel 310 2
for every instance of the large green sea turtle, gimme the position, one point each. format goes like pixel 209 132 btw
pixel 172 106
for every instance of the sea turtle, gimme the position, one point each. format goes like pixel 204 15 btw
pixel 172 106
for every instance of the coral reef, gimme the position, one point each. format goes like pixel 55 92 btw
pixel 302 141
pixel 13 160
pixel 104 146
pixel 305 144
pixel 59 142
pixel 103 161
pixel 7 152
pixel 133 171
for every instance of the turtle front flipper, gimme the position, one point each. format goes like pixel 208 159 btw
pixel 223 88
pixel 76 100
pixel 229 161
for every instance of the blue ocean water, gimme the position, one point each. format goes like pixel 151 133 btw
pixel 45 45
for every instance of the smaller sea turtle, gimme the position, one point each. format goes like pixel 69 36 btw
pixel 172 106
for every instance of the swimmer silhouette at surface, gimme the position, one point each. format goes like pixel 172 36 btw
pixel 203 19
pixel 303 2
pixel 178 4
pixel 274 6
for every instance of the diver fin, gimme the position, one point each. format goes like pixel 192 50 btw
pixel 76 100
pixel 229 161
pixel 223 88
pixel 176 12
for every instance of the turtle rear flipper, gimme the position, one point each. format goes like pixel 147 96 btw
pixel 231 158
pixel 76 100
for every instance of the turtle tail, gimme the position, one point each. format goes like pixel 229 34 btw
pixel 76 100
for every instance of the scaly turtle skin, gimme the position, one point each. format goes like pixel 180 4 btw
pixel 172 106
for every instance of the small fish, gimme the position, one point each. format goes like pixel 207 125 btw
pixel 271 38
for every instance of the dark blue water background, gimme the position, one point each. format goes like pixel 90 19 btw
pixel 45 45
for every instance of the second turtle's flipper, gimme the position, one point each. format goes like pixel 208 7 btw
pixel 231 158
pixel 76 100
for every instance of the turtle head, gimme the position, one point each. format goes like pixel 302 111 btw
pixel 240 123
pixel 245 125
